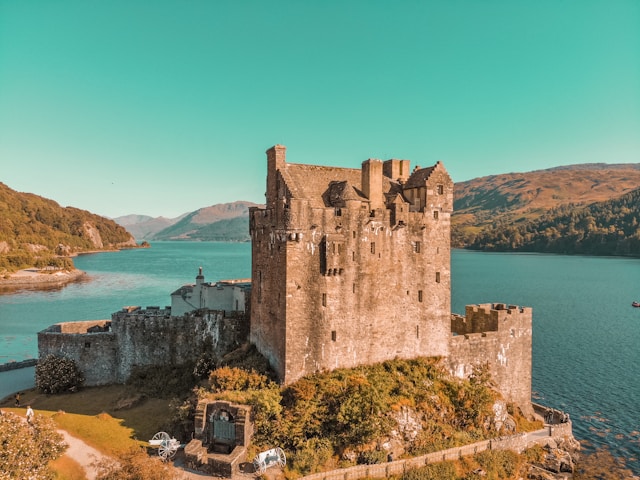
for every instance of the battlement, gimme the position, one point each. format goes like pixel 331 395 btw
pixel 498 335
pixel 133 312
pixel 490 317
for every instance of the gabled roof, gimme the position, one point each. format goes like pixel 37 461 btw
pixel 340 192
pixel 313 181
pixel 419 177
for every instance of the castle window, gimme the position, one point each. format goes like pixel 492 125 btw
pixel 373 247
pixel 354 234
pixel 440 189
pixel 416 247
pixel 354 288
pixel 324 299
pixel 87 344
pixel 353 256
pixel 435 214
pixel 420 296
pixel 437 277
pixel 334 335
pixel 338 212
pixel 417 331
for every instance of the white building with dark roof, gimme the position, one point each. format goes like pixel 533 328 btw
pixel 226 295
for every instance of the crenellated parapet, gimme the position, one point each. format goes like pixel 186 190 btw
pixel 490 317
pixel 107 351
pixel 498 335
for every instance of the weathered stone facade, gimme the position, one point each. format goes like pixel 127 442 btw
pixel 350 266
pixel 107 351
pixel 500 336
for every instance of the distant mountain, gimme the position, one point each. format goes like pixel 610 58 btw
pixel 144 227
pixel 38 232
pixel 221 222
pixel 486 206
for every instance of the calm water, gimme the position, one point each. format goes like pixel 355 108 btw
pixel 585 341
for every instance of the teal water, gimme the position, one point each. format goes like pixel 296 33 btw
pixel 586 335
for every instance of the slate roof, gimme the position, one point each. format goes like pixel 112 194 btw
pixel 317 183
pixel 419 177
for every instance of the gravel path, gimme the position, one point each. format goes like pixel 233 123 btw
pixel 82 453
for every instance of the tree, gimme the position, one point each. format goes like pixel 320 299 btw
pixel 58 374
pixel 27 449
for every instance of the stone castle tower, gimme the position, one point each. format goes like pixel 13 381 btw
pixel 350 266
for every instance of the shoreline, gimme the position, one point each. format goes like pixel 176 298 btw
pixel 33 277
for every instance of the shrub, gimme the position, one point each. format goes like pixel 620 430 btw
pixel 25 450
pixel 163 381
pixel 135 464
pixel 56 374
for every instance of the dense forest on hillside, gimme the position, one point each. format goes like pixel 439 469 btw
pixel 602 228
pixel 37 232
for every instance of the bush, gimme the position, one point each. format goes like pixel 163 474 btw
pixel 58 374
pixel 25 450
pixel 163 381
pixel 135 465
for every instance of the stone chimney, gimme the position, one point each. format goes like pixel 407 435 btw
pixel 372 182
pixel 276 159
pixel 397 169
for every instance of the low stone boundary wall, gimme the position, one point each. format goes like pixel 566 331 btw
pixel 518 443
pixel 5 367
pixel 558 425
pixel 514 442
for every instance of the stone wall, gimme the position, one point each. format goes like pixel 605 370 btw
pixel 94 353
pixel 107 351
pixel 500 336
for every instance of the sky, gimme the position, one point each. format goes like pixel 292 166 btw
pixel 166 106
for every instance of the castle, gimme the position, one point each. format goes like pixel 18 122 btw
pixel 349 267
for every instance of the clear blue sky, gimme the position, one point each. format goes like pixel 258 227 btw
pixel 162 107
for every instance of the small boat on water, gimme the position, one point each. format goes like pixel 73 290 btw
pixel 635 304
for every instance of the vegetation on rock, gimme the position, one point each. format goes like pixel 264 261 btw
pixel 341 417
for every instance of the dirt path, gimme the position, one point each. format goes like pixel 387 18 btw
pixel 82 453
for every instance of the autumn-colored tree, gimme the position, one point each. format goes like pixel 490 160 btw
pixel 135 464
pixel 27 449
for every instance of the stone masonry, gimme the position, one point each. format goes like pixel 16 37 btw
pixel 350 266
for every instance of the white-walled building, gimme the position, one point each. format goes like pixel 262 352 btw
pixel 227 295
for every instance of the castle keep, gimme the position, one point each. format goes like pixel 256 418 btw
pixel 350 266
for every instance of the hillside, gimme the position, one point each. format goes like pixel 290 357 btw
pixel 221 222
pixel 489 204
pixel 601 228
pixel 37 232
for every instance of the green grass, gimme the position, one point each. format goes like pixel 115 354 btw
pixel 92 414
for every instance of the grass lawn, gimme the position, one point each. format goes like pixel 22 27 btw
pixel 85 414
